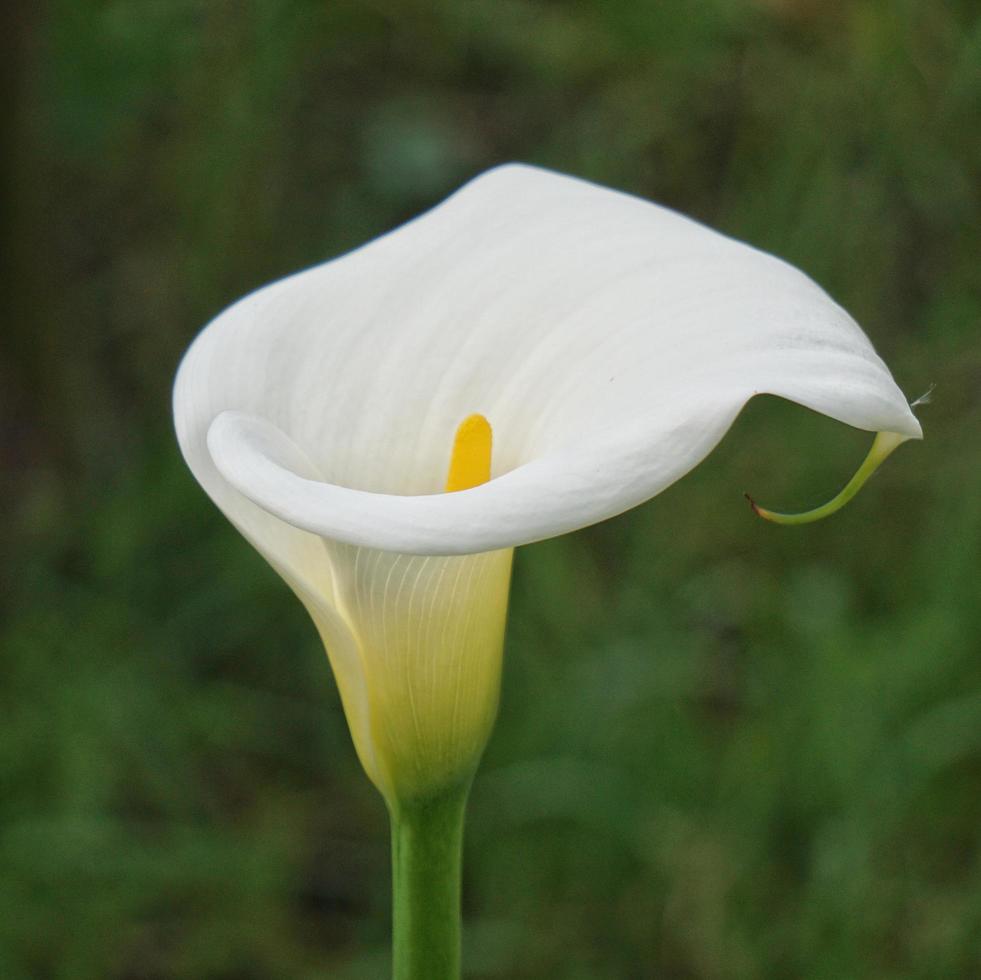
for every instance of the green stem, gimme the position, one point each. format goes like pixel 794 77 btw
pixel 427 856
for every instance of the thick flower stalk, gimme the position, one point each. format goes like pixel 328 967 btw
pixel 533 355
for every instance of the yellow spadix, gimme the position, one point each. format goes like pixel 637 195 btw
pixel 470 463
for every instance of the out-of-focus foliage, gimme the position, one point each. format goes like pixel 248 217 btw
pixel 726 750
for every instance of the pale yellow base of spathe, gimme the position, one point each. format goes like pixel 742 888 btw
pixel 421 690
pixel 416 644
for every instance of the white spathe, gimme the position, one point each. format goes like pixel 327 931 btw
pixel 610 342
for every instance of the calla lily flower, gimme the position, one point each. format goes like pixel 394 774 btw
pixel 535 354
pixel 609 342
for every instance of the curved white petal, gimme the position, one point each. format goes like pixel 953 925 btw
pixel 609 341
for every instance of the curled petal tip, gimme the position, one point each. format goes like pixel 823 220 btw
pixel 882 446
pixel 766 515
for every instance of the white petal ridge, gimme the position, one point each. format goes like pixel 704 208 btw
pixel 611 343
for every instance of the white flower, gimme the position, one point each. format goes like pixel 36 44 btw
pixel 610 342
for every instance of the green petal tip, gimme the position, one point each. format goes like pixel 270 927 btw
pixel 883 444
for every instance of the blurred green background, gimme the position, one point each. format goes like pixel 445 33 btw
pixel 726 750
